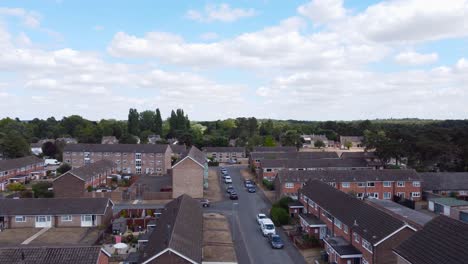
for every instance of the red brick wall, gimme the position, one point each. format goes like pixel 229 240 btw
pixel 103 258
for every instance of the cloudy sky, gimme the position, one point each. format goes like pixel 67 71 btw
pixel 310 60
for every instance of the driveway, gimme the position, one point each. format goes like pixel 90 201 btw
pixel 251 246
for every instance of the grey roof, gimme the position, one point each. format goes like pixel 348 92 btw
pixel 348 175
pixel 449 201
pixel 53 206
pixel 49 255
pixel 153 183
pixel 372 224
pixel 293 155
pixel 274 149
pixel 88 171
pixel 444 181
pixel 195 154
pixel 344 139
pixel 359 155
pixel 224 149
pixel 314 137
pixel 311 219
pixel 36 145
pixel 402 211
pixel 135 148
pixel 179 228
pixel 178 149
pixel 341 246
pixel 314 163
pixel 442 240
pixel 11 164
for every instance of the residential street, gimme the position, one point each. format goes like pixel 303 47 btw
pixel 251 246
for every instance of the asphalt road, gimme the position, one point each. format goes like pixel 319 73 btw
pixel 251 246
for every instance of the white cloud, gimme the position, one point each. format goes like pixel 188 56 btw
pixel 323 11
pixel 209 36
pixel 29 18
pixel 413 58
pixel 222 12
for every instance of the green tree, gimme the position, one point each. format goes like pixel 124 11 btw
pixel 133 123
pixel 14 145
pixel 41 190
pixel 64 167
pixel 269 141
pixel 147 121
pixel 291 138
pixel 266 128
pixel 158 123
pixel 348 144
pixel 49 149
pixel 279 216
pixel 319 144
pixel 16 187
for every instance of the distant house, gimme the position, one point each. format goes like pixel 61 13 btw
pixel 451 207
pixel 377 184
pixel 256 158
pixel 49 255
pixel 354 140
pixel 274 149
pixel 153 139
pixel 270 168
pixel 36 149
pixel 55 212
pixel 190 174
pixel 74 183
pixel 67 140
pixel 446 183
pixel 352 230
pixel 225 154
pixel 442 240
pixel 309 140
pixel 109 140
pixel 178 235
pixel 30 166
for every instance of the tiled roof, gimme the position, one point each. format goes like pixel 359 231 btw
pixel 348 175
pixel 449 201
pixel 274 149
pixel 344 139
pixel 178 149
pixel 88 171
pixel 49 255
pixel 444 181
pixel 224 149
pixel 341 246
pixel 195 154
pixel 368 221
pixel 402 211
pixel 442 240
pixel 53 206
pixel 179 228
pixel 11 164
pixel 129 148
pixel 294 155
pixel 314 163
pixel 359 155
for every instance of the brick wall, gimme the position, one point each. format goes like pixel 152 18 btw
pixel 187 177
pixel 384 253
pixel 68 185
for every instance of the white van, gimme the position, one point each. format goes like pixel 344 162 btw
pixel 267 227
pixel 51 162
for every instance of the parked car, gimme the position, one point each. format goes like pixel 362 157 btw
pixel 246 182
pixel 260 217
pixel 205 202
pixel 267 227
pixel 225 176
pixel 252 190
pixel 51 162
pixel 248 185
pixel 275 241
pixel 228 180
pixel 233 196
pixel 229 189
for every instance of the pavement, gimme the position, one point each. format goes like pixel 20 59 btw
pixel 251 247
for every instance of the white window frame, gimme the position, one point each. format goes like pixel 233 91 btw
pixel 387 184
pixel 20 219
pixel 66 218
pixel 389 195
pixel 416 184
pixel 289 185
pixel 345 229
pixel 367 245
pixel 345 184
pixel 356 237
pixel 361 184
pixel 415 194
pixel 338 223
pixel 368 184
pixel 400 184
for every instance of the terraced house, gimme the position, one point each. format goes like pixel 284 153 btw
pixel 55 212
pixel 353 231
pixel 379 184
pixel 129 158
pixel 26 166
pixel 256 158
pixel 225 154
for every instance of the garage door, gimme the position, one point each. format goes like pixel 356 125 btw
pixel 464 216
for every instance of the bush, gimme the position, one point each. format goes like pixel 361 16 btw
pixel 63 168
pixel 269 185
pixel 89 188
pixel 284 202
pixel 16 187
pixel 279 216
pixel 213 163
pixel 41 190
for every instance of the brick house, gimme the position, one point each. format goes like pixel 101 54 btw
pixel 130 158
pixel 74 183
pixel 225 154
pixel 309 140
pixel 446 183
pixel 370 157
pixel 109 140
pixel 356 141
pixel 442 240
pixel 274 149
pixel 379 184
pixel 256 158
pixel 178 236
pixel 58 254
pixel 190 174
pixel 355 232
pixel 30 166
pixel 269 168
pixel 55 212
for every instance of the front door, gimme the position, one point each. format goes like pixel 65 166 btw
pixel 86 220
pixel 323 232
pixel 43 221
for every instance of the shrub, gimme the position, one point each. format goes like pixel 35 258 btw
pixel 283 202
pixel 279 216
pixel 89 188
pixel 63 168
pixel 16 187
pixel 41 190
pixel 213 163
pixel 269 185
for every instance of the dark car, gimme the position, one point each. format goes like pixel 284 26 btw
pixel 275 241
pixel 230 189
pixel 233 196
pixel 252 190
pixel 205 202
pixel 249 185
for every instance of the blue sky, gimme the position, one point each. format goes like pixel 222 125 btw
pixel 312 60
